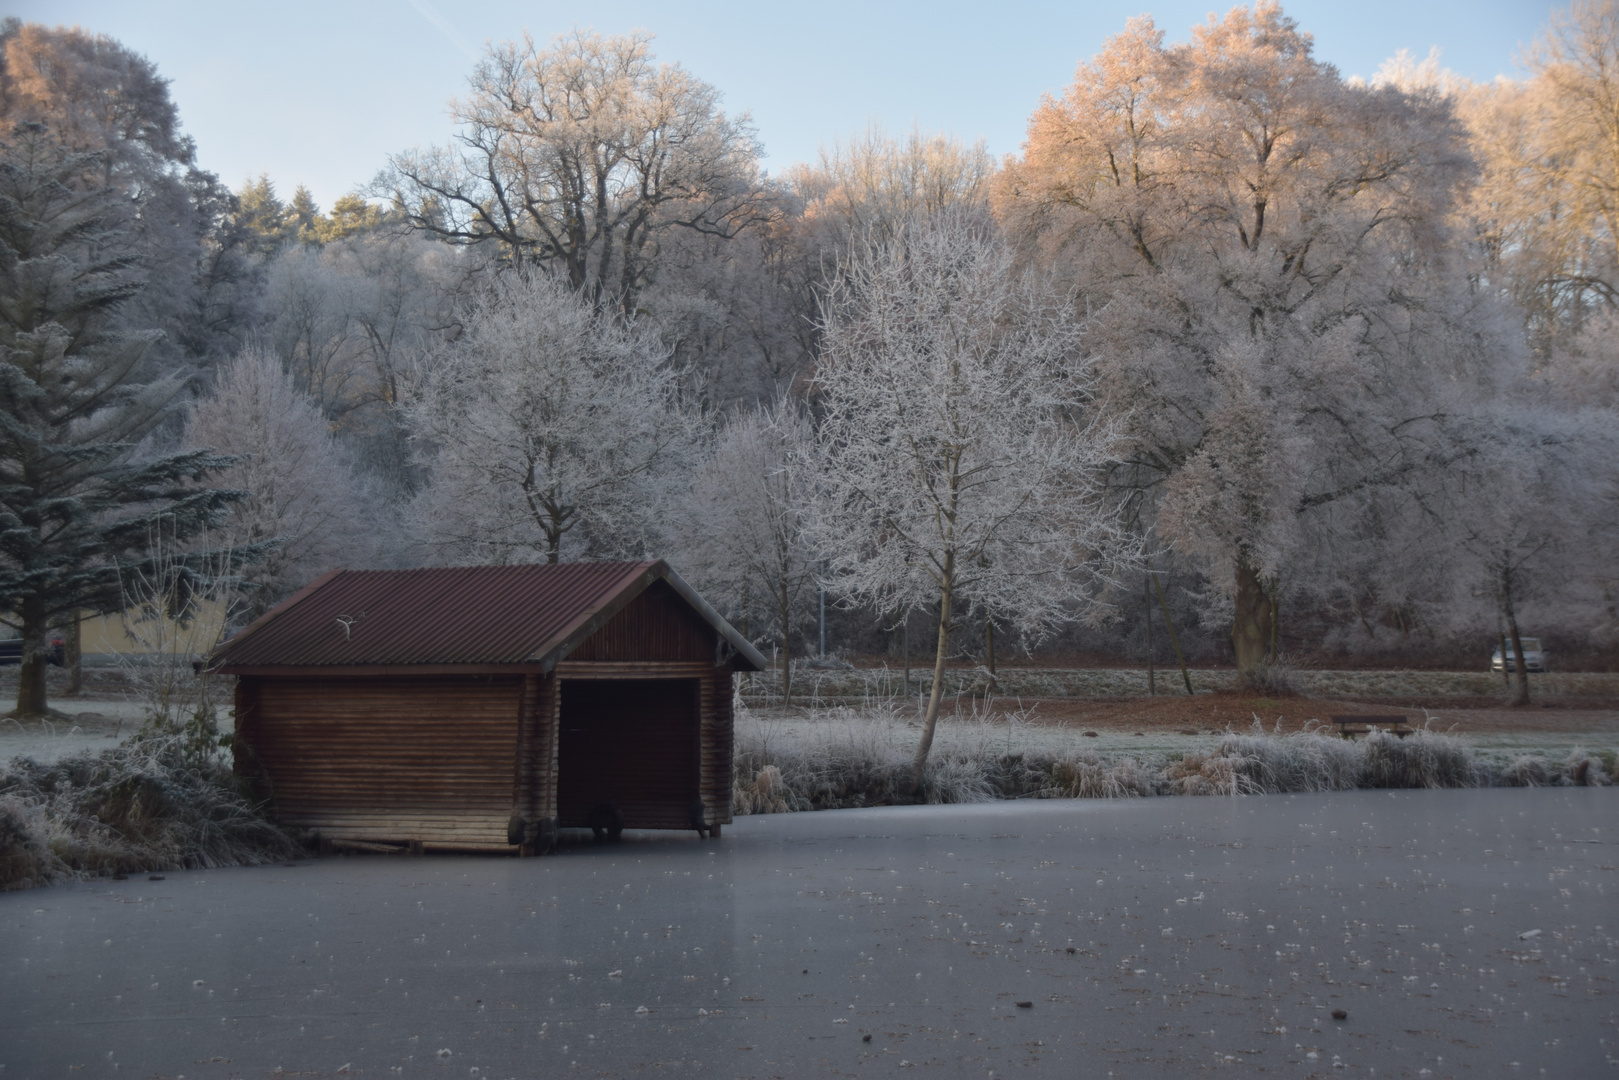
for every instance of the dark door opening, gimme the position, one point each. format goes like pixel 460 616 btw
pixel 631 743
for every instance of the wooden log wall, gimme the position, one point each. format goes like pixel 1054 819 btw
pixel 403 758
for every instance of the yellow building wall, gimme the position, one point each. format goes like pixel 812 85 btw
pixel 123 633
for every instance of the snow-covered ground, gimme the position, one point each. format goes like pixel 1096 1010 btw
pixel 89 724
pixel 1460 933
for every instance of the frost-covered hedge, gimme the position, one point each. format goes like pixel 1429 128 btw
pixel 844 757
pixel 147 804
pixel 861 684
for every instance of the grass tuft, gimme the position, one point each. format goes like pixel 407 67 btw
pixel 147 804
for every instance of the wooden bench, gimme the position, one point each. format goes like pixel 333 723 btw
pixel 1350 726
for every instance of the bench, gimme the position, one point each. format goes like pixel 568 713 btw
pixel 1350 726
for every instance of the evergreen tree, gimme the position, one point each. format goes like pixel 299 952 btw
pixel 265 217
pixel 75 498
pixel 303 215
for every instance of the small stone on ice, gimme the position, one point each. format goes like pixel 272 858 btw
pixel 1339 1014
pixel 1025 1004
pixel 1527 934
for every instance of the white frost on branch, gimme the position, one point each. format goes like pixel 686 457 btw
pixel 549 429
pixel 741 536
pixel 302 489
pixel 958 459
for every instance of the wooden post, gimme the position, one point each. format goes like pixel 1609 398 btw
pixel 533 823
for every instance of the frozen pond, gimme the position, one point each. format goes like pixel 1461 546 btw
pixel 1464 933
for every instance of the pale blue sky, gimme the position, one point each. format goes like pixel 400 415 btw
pixel 321 93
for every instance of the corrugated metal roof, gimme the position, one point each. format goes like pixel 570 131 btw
pixel 444 615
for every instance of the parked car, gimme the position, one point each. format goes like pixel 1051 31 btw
pixel 1534 656
pixel 11 651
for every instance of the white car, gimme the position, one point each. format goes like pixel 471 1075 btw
pixel 1534 656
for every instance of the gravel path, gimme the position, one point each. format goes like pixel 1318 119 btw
pixel 1463 933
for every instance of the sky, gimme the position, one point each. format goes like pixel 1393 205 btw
pixel 322 93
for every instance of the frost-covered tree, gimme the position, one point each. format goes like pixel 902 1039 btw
pixel 585 155
pixel 875 183
pixel 349 318
pixel 1533 516
pixel 99 97
pixel 958 460
pixel 75 499
pixel 741 533
pixel 1276 294
pixel 303 505
pixel 548 427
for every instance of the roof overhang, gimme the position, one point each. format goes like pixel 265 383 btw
pixel 732 648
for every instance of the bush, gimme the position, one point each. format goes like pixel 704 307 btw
pixel 848 757
pixel 148 804
pixel 1423 759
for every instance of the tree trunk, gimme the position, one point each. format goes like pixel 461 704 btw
pixel 31 698
pixel 931 721
pixel 1251 622
pixel 1146 592
pixel 74 654
pixel 989 644
pixel 905 639
pixel 1506 668
pixel 1174 638
pixel 1275 627
pixel 1521 696
pixel 784 616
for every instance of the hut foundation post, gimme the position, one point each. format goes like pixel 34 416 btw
pixel 533 825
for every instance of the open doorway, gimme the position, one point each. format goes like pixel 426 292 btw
pixel 631 744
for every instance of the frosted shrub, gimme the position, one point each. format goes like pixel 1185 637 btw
pixel 1087 776
pixel 1201 774
pixel 847 757
pixel 147 804
pixel 1526 770
pixel 1585 770
pixel 1262 764
pixel 1423 759
pixel 957 779
pixel 764 795
pixel 1273 678
pixel 25 856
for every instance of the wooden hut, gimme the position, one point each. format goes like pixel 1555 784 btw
pixel 485 707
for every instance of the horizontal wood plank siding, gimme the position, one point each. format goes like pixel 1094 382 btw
pixel 430 759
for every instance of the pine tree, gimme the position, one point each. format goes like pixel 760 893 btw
pixel 75 499
pixel 266 218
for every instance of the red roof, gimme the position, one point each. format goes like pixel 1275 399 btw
pixel 476 615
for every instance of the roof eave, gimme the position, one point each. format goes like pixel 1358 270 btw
pixel 219 654
pixel 744 648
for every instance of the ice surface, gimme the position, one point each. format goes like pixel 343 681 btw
pixel 1152 938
